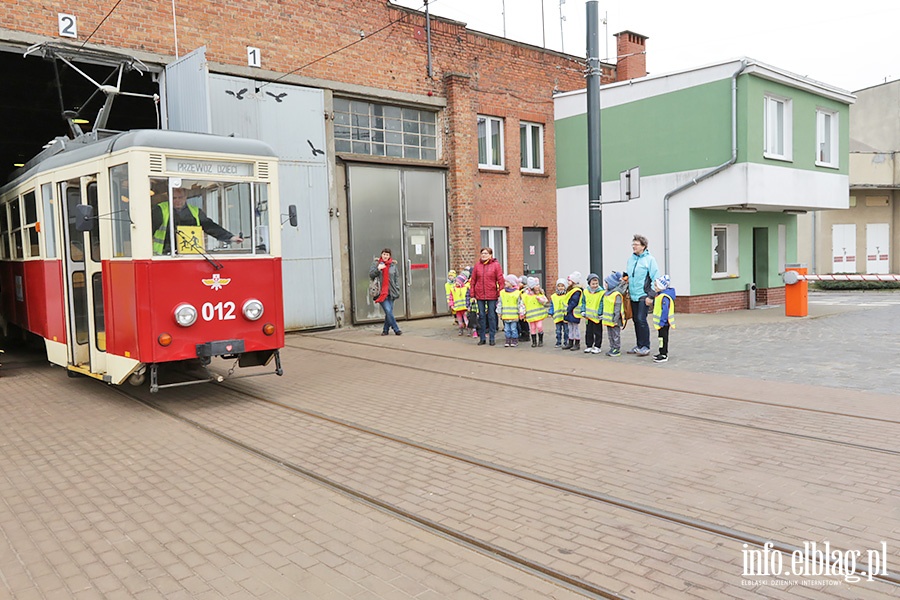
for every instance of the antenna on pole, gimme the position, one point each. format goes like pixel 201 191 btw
pixel 543 26
pixel 503 12
pixel 562 41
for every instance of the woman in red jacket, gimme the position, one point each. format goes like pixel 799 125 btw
pixel 485 286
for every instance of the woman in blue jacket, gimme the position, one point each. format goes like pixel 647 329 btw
pixel 642 271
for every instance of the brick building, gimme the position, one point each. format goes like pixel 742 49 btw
pixel 431 151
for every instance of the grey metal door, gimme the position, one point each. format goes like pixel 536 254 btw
pixel 419 262
pixel 533 242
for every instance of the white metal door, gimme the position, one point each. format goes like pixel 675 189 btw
pixel 843 248
pixel 877 248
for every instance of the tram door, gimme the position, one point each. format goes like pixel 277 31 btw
pixel 84 283
pixel 419 256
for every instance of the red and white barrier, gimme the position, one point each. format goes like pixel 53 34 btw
pixel 792 277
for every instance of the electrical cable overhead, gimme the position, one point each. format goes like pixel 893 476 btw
pixel 111 11
pixel 341 49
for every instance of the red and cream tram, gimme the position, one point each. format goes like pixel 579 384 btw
pixel 88 263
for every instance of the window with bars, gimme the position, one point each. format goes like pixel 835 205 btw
pixel 362 127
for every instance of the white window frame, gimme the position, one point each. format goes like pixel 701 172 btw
pixel 827 140
pixel 486 127
pixel 527 147
pixel 732 248
pixel 499 253
pixel 775 136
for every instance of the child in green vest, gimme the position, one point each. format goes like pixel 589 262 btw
pixel 591 308
pixel 557 310
pixel 663 315
pixel 613 316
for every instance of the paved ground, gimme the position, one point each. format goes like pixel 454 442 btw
pixel 101 497
pixel 849 340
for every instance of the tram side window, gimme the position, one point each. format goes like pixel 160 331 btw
pixel 99 318
pixel 48 222
pixel 31 230
pixel 121 210
pixel 4 233
pixel 71 190
pixel 94 233
pixel 15 222
pixel 262 219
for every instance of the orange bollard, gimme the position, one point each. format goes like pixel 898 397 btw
pixel 796 295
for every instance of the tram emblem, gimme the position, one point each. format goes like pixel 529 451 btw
pixel 217 282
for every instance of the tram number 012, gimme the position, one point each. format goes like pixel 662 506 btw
pixel 220 311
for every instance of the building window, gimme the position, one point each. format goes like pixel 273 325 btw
pixel 531 145
pixel 725 250
pixel 778 140
pixel 384 130
pixel 827 139
pixel 490 142
pixel 495 239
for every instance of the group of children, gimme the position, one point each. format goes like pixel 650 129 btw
pixel 523 306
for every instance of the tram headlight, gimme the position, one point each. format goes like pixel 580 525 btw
pixel 252 309
pixel 185 315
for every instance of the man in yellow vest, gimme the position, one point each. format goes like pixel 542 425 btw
pixel 185 215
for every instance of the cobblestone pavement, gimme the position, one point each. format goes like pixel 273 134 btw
pixel 849 340
pixel 103 498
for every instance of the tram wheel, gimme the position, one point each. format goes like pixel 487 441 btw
pixel 137 379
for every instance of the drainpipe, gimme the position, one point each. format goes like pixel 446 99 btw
pixel 711 172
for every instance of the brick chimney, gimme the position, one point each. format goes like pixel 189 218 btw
pixel 631 55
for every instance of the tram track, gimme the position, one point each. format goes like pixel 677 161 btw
pixel 626 405
pixel 486 548
pixel 642 385
pixel 496 551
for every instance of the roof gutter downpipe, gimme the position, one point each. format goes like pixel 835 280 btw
pixel 711 172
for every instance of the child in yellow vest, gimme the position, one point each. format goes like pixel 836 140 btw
pixel 459 298
pixel 557 309
pixel 573 311
pixel 663 315
pixel 509 308
pixel 613 316
pixel 535 310
pixel 591 301
pixel 448 291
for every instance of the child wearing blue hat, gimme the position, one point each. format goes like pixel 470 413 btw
pixel 663 315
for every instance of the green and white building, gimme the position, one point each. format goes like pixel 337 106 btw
pixel 729 154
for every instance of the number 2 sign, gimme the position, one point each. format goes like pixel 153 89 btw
pixel 67 25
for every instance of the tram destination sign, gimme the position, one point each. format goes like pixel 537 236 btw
pixel 209 167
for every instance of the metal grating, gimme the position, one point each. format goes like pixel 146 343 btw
pixel 156 163
pixel 262 170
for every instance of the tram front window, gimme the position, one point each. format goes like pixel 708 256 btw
pixel 205 217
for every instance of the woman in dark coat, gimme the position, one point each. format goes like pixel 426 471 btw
pixel 385 267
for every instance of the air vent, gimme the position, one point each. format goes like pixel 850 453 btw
pixel 262 170
pixel 156 163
